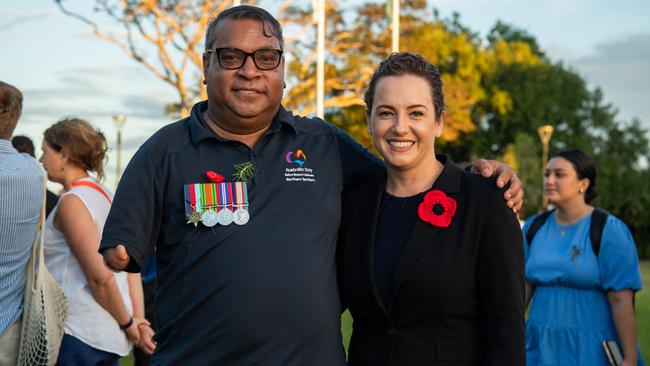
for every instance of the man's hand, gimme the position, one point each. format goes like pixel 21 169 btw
pixel 116 258
pixel 515 193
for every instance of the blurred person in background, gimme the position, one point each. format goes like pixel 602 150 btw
pixel 21 191
pixel 106 310
pixel 25 145
pixel 580 287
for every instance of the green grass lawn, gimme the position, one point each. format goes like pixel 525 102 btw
pixel 642 315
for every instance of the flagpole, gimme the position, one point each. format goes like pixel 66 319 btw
pixel 320 66
pixel 395 43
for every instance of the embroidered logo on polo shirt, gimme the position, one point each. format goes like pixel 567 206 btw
pixel 299 173
pixel 298 157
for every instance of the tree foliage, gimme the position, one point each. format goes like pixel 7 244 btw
pixel 498 90
pixel 165 36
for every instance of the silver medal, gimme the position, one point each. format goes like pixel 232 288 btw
pixel 225 217
pixel 241 216
pixel 209 218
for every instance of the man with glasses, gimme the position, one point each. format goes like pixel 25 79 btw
pixel 258 288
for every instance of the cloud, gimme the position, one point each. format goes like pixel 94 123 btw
pixel 10 18
pixel 53 110
pixel 622 64
pixel 620 68
pixel 95 81
pixel 145 106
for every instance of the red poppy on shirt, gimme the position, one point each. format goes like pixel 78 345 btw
pixel 437 209
pixel 214 177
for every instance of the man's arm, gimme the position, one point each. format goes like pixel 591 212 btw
pixel 135 217
pixel 514 195
pixel 358 164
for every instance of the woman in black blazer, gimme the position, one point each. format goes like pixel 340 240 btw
pixel 430 258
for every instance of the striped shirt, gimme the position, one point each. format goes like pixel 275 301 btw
pixel 21 185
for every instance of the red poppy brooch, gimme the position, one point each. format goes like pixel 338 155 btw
pixel 437 209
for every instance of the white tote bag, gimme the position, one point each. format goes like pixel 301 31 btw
pixel 45 308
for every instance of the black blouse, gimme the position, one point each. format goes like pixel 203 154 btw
pixel 396 218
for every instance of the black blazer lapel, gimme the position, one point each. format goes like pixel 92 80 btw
pixel 372 201
pixel 424 234
pixel 421 238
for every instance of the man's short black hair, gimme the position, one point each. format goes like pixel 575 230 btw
pixel 270 26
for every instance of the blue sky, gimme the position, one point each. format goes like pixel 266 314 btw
pixel 64 70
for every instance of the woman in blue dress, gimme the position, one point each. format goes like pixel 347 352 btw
pixel 579 299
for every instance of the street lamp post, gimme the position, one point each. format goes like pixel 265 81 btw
pixel 545 133
pixel 119 120
pixel 320 58
pixel 395 36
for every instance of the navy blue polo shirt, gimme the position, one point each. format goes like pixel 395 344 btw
pixel 263 293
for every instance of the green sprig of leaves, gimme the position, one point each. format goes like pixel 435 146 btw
pixel 243 171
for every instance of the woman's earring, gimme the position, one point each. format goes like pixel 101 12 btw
pixel 205 82
pixel 582 190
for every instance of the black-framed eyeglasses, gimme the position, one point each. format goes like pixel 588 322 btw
pixel 234 58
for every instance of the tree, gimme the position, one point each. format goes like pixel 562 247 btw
pixel 355 48
pixel 165 36
pixel 505 32
pixel 497 92
pixel 345 68
pixel 527 152
pixel 623 182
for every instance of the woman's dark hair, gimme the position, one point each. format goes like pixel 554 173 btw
pixel 270 26
pixel 23 144
pixel 405 63
pixel 84 145
pixel 584 167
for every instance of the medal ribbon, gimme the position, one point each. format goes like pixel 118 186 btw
pixel 230 195
pixel 208 196
pixel 222 197
pixel 198 201
pixel 241 195
pixel 188 200
pixel 207 190
pixel 200 197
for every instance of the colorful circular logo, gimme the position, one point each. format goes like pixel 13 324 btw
pixel 298 157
